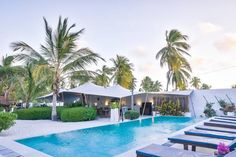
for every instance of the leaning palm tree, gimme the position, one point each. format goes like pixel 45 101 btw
pixel 59 54
pixel 196 82
pixel 123 71
pixel 176 47
pixel 103 76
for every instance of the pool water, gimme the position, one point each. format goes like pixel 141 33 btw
pixel 109 140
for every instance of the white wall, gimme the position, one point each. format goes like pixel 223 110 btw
pixel 199 102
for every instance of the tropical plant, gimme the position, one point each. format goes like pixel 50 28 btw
pixel 170 108
pixel 205 86
pixel 123 71
pixel 7 120
pixel 173 55
pixel 148 85
pixel 59 54
pixel 114 105
pixel 196 82
pixel 103 76
pixel 209 111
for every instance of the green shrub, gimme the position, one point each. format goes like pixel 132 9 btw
pixel 209 111
pixel 131 114
pixel 78 114
pixel 170 108
pixel 34 113
pixel 60 109
pixel 75 104
pixel 7 120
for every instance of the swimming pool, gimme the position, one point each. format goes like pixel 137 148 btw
pixel 109 140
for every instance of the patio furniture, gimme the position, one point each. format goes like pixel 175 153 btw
pixel 220 124
pixel 155 150
pixel 214 128
pixel 199 141
pixel 223 121
pixel 225 118
pixel 213 134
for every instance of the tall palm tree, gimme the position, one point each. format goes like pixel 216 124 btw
pixel 59 54
pixel 179 73
pixel 103 76
pixel 176 47
pixel 196 82
pixel 123 71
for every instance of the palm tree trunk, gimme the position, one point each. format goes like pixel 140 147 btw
pixel 54 106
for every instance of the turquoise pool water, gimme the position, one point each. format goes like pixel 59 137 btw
pixel 109 140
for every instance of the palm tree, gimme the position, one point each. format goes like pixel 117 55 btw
pixel 31 86
pixel 196 82
pixel 157 86
pixel 123 71
pixel 148 85
pixel 179 73
pixel 205 86
pixel 59 54
pixel 103 76
pixel 176 47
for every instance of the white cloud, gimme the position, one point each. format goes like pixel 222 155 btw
pixel 227 43
pixel 207 27
pixel 140 51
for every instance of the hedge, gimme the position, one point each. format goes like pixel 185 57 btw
pixel 7 120
pixel 34 113
pixel 131 114
pixel 78 114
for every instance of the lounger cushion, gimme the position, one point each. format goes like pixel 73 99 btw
pixel 155 150
pixel 213 134
pixel 220 124
pixel 225 118
pixel 223 121
pixel 200 141
pixel 214 128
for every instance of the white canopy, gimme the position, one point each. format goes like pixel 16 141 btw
pixel 91 89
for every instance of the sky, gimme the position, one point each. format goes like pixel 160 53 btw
pixel 135 29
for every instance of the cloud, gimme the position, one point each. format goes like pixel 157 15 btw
pixel 207 27
pixel 227 43
pixel 140 51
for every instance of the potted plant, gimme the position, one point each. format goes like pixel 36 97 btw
pixel 114 112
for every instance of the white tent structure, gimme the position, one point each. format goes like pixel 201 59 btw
pixel 89 88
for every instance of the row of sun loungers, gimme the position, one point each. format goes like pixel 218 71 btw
pixel 209 135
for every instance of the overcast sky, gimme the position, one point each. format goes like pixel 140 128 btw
pixel 135 29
